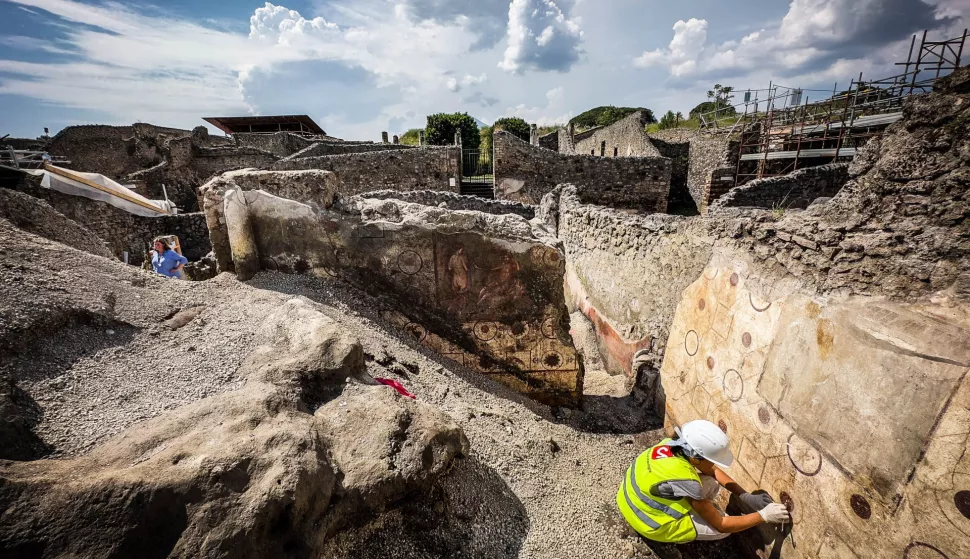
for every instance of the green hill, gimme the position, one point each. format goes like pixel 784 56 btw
pixel 604 116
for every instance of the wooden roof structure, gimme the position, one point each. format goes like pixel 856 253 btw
pixel 265 124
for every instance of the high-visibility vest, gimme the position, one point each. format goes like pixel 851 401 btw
pixel 656 518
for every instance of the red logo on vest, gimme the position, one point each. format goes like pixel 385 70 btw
pixel 661 452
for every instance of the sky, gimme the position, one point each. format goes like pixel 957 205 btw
pixel 360 67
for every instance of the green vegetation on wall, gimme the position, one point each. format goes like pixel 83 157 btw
pixel 410 137
pixel 515 126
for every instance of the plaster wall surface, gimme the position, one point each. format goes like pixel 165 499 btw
pixel 853 410
pixel 525 173
pixel 483 290
pixel 421 168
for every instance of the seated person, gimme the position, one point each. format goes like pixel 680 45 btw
pixel 667 494
pixel 166 261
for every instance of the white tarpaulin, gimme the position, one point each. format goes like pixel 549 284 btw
pixel 100 187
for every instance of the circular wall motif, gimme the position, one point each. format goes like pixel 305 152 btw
pixel 920 550
pixel 786 500
pixel 860 506
pixel 416 330
pixel 734 279
pixel 701 304
pixel 803 456
pixel 723 425
pixel 552 360
pixel 732 384
pixel 519 329
pixel 549 328
pixel 746 339
pixel 756 307
pixel 552 258
pixel 691 343
pixel 764 416
pixel 710 362
pixel 962 501
pixel 409 262
pixel 485 331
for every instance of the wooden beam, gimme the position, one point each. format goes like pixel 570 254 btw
pixel 55 171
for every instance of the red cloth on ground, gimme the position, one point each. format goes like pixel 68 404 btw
pixel 396 386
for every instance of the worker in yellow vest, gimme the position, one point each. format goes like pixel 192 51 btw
pixel 667 493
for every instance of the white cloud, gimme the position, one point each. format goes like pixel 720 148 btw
pixel 541 36
pixel 554 112
pixel 813 36
pixel 452 84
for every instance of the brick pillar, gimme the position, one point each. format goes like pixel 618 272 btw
pixel 534 135
pixel 384 137
pixel 420 137
pixel 395 140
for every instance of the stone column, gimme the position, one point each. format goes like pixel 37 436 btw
pixel 384 137
pixel 395 140
pixel 242 243
pixel 420 137
pixel 458 139
pixel 534 135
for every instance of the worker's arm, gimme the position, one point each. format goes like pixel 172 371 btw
pixel 724 524
pixel 724 480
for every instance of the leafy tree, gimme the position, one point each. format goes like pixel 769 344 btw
pixel 719 102
pixel 515 126
pixel 670 120
pixel 604 116
pixel 410 137
pixel 486 134
pixel 441 128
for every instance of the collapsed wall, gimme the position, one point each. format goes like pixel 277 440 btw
pixel 797 189
pixel 525 173
pixel 828 343
pixel 484 290
pixel 626 137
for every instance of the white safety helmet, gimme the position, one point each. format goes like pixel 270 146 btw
pixel 706 440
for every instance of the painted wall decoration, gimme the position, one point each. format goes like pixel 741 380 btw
pixel 488 296
pixel 855 412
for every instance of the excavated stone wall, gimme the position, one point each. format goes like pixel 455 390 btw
pixel 711 157
pixel 122 231
pixel 483 290
pixel 421 168
pixel 525 173
pixel 454 201
pixel 795 190
pixel 626 272
pixel 280 144
pixel 678 151
pixel 625 138
pixel 113 151
pixel 339 148
pixel 828 343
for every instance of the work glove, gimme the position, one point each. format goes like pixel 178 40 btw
pixel 775 513
pixel 756 502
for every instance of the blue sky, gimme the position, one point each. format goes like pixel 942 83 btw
pixel 363 66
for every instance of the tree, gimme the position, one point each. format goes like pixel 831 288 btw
pixel 515 126
pixel 719 102
pixel 410 137
pixel 670 120
pixel 441 128
pixel 486 134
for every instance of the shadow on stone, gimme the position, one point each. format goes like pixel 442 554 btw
pixel 471 512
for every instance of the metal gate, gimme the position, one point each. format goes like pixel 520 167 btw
pixel 476 173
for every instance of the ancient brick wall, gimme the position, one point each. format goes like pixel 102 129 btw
pixel 794 190
pixel 625 138
pixel 525 173
pixel 550 141
pixel 339 148
pixel 113 151
pixel 708 153
pixel 626 272
pixel 122 231
pixel 678 151
pixel 454 201
pixel 280 144
pixel 421 168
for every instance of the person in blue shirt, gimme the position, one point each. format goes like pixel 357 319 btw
pixel 166 261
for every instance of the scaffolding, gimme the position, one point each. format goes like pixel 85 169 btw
pixel 784 131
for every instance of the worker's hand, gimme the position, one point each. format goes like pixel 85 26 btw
pixel 756 502
pixel 775 513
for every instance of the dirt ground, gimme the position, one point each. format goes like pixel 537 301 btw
pixel 96 351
